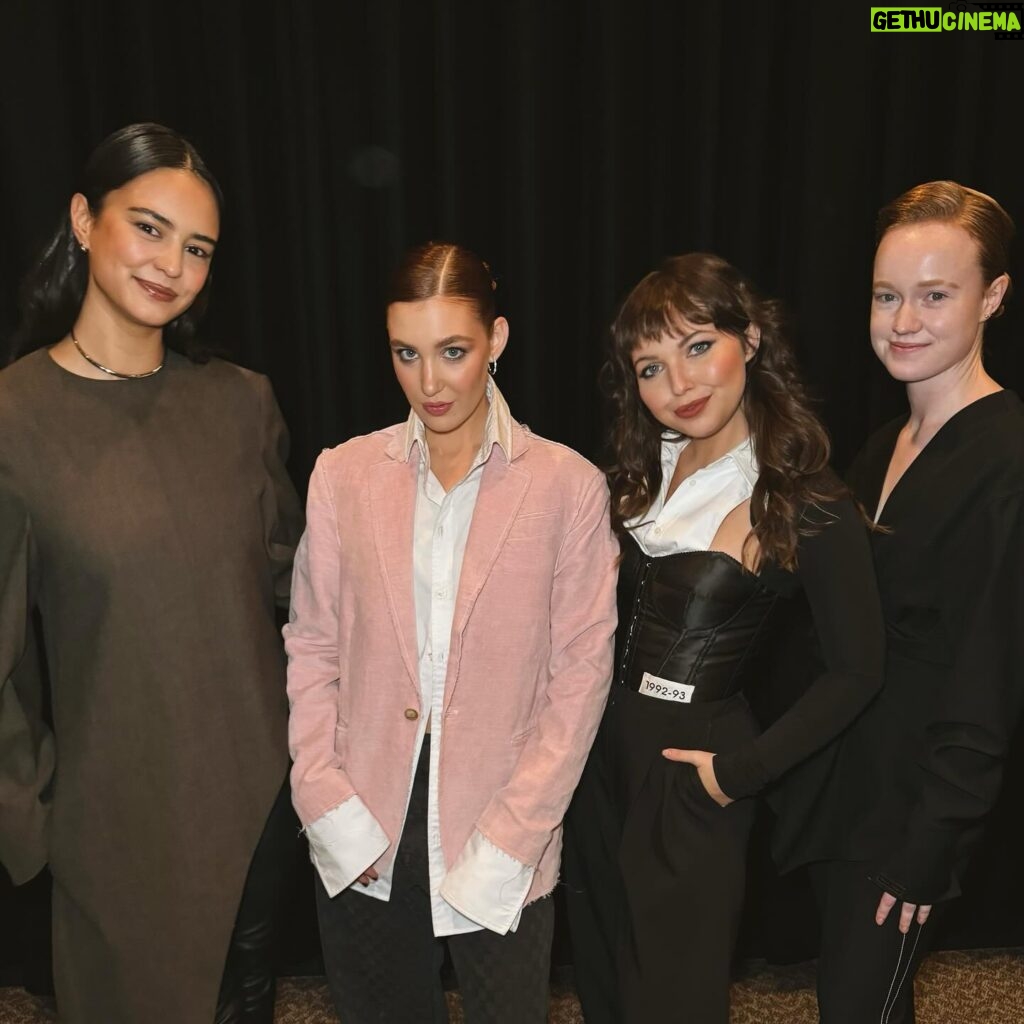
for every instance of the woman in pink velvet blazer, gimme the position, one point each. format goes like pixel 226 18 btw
pixel 449 659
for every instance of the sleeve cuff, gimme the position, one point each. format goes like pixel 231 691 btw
pixel 488 886
pixel 344 842
pixel 739 773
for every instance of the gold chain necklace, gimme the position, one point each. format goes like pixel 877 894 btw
pixel 106 369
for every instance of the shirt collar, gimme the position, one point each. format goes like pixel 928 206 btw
pixel 741 458
pixel 497 429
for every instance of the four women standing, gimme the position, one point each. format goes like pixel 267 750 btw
pixel 450 641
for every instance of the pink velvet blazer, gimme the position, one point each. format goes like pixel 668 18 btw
pixel 530 660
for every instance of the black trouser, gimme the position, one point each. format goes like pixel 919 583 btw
pixel 248 986
pixel 383 962
pixel 865 971
pixel 664 867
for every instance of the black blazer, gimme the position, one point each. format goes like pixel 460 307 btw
pixel 919 771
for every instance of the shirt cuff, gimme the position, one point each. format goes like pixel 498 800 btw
pixel 488 886
pixel 344 842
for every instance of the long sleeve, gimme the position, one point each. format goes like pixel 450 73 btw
pixel 319 782
pixel 583 619
pixel 835 569
pixel 26 745
pixel 968 735
pixel 344 836
pixel 282 511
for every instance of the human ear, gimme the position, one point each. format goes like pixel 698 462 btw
pixel 751 341
pixel 499 337
pixel 994 293
pixel 81 219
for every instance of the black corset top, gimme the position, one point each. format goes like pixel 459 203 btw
pixel 694 617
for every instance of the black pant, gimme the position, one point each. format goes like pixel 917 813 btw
pixel 248 986
pixel 383 962
pixel 655 869
pixel 865 971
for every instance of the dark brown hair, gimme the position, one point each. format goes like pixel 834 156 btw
pixel 950 202
pixel 791 445
pixel 448 270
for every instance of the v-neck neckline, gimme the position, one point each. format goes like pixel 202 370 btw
pixel 878 481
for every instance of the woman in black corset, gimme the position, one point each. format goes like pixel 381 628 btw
pixel 729 520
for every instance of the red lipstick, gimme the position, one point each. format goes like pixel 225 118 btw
pixel 685 412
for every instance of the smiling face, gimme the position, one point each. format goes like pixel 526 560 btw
pixel 150 245
pixel 693 381
pixel 929 301
pixel 440 349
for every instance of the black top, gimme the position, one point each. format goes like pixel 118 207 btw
pixel 692 617
pixel 699 617
pixel 923 766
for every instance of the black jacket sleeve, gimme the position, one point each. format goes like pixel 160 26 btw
pixel 835 569
pixel 968 736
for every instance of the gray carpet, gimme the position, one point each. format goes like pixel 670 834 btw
pixel 977 987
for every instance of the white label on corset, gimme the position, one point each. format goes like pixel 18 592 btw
pixel 665 689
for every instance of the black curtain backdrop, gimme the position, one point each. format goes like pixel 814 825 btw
pixel 573 144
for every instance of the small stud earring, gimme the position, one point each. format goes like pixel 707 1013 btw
pixel 83 247
pixel 492 367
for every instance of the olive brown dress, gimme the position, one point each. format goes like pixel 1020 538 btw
pixel 152 524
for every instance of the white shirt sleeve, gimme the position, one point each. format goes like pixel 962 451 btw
pixel 344 842
pixel 488 886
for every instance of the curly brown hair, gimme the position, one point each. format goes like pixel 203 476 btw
pixel 791 445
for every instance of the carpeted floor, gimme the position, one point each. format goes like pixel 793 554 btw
pixel 977 987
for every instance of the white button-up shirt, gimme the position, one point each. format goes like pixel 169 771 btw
pixel 690 518
pixel 485 887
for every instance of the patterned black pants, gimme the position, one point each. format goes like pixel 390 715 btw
pixel 383 962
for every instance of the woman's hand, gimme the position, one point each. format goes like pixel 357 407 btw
pixel 368 876
pixel 701 760
pixel 887 902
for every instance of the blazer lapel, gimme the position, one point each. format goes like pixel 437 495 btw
pixel 393 503
pixel 502 490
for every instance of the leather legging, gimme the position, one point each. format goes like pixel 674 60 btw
pixel 249 984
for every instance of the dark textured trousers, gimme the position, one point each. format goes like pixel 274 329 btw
pixel 865 971
pixel 655 869
pixel 383 962
pixel 248 986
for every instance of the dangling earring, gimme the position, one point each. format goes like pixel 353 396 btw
pixel 492 367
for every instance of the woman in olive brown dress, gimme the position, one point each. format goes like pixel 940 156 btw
pixel 146 515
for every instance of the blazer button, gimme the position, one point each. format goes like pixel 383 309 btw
pixel 412 714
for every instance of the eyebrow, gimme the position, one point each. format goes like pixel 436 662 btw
pixel 682 341
pixel 161 219
pixel 935 282
pixel 442 343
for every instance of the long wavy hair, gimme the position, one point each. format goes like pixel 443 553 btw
pixel 791 446
pixel 53 289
